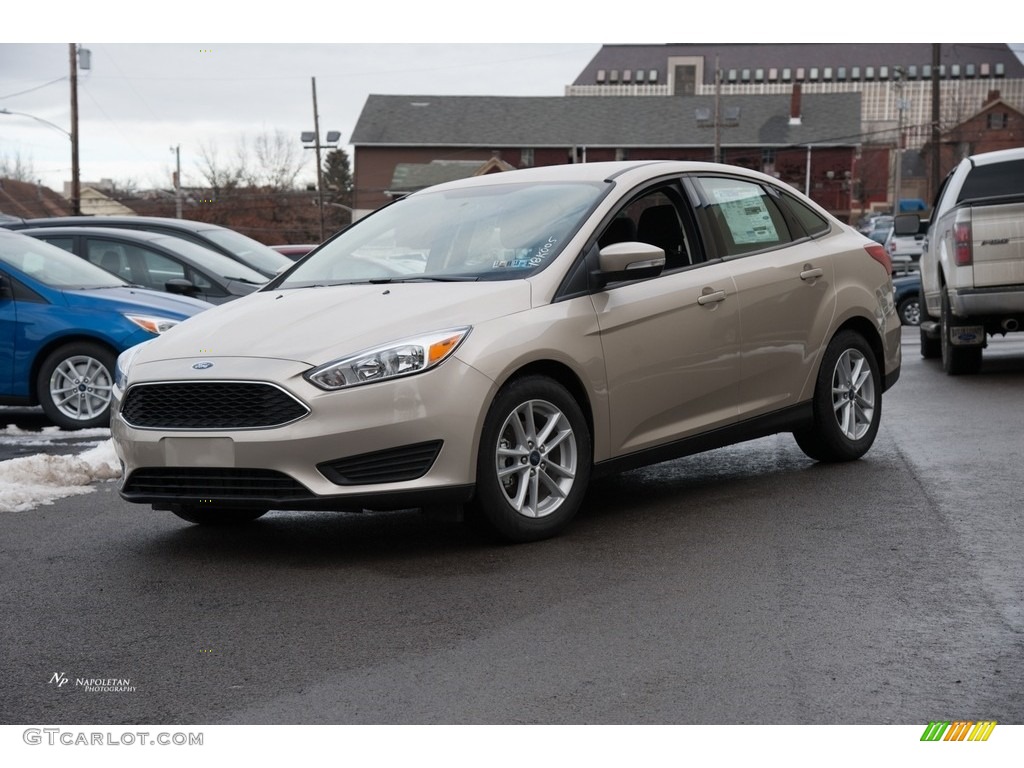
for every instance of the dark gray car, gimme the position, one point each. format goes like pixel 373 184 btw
pixel 232 244
pixel 156 261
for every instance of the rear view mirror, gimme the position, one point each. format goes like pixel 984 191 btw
pixel 907 224
pixel 629 261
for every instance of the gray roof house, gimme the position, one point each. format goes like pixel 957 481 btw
pixel 539 130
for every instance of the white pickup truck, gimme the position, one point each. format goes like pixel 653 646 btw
pixel 972 266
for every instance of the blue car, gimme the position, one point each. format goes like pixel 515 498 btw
pixel 907 295
pixel 63 322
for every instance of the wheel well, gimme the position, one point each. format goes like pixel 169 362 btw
pixel 565 376
pixel 869 333
pixel 45 351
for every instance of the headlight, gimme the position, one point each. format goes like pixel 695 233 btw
pixel 402 358
pixel 152 323
pixel 124 364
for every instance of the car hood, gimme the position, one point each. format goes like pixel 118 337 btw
pixel 317 325
pixel 128 299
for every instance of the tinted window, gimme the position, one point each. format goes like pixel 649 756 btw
pixel 654 219
pixel 994 180
pixel 746 217
pixel 812 222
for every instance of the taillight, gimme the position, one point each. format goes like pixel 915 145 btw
pixel 879 254
pixel 962 244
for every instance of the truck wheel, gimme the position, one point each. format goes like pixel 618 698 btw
pixel 931 347
pixel 956 360
pixel 847 402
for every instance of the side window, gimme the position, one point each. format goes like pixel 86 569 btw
pixel 66 243
pixel 108 255
pixel 809 219
pixel 746 217
pixel 652 218
pixel 205 284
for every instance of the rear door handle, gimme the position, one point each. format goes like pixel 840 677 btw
pixel 710 296
pixel 811 273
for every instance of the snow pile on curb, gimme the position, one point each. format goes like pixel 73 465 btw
pixel 33 480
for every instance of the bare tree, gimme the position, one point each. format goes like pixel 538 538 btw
pixel 216 175
pixel 17 169
pixel 277 161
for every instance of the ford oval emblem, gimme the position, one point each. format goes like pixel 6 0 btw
pixel 202 366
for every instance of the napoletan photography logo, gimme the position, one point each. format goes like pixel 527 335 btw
pixel 62 681
pixel 958 730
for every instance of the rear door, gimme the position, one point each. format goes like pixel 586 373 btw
pixel 784 278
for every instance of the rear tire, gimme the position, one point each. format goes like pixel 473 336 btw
pixel 956 360
pixel 931 347
pixel 847 402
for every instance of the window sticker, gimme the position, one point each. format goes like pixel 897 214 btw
pixel 746 215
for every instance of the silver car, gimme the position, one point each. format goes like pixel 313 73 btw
pixel 491 344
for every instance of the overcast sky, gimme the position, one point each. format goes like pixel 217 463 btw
pixel 146 92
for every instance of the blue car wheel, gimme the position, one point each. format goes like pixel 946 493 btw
pixel 74 385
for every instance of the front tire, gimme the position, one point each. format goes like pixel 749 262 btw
pixel 74 385
pixel 534 462
pixel 847 402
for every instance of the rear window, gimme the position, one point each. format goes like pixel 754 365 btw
pixel 995 180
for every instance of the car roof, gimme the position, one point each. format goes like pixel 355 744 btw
pixel 138 235
pixel 98 221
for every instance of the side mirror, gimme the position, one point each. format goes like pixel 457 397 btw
pixel 628 261
pixel 181 287
pixel 5 288
pixel 907 224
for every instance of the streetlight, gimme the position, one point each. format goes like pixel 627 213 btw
pixel 311 140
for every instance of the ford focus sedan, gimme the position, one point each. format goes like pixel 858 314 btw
pixel 492 344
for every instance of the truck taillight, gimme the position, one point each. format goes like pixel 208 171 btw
pixel 962 244
pixel 879 254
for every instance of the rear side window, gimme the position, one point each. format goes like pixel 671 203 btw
pixel 812 222
pixel 994 180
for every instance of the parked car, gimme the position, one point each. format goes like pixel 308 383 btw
pixel 905 249
pixel 494 342
pixel 63 322
pixel 880 228
pixel 295 252
pixel 907 296
pixel 228 242
pixel 155 261
pixel 972 268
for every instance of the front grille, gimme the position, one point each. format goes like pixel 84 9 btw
pixel 202 483
pixel 210 405
pixel 393 465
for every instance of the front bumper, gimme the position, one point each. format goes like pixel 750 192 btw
pixel 308 463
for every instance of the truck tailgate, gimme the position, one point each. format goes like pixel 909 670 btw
pixel 998 234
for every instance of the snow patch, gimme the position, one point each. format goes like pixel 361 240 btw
pixel 27 482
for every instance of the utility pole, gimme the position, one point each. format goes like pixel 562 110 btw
pixel 319 165
pixel 936 145
pixel 76 190
pixel 901 105
pixel 177 181
pixel 718 112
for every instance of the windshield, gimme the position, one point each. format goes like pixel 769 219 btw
pixel 493 232
pixel 53 266
pixel 250 251
pixel 211 261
